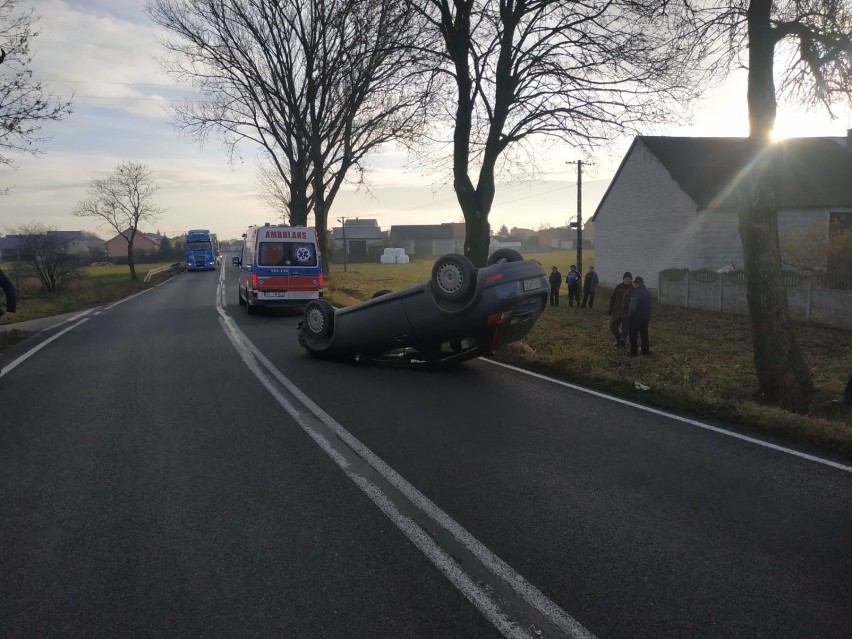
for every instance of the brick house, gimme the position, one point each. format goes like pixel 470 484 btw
pixel 143 244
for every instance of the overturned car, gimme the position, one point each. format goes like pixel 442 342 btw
pixel 459 314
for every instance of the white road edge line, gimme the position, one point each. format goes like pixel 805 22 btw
pixel 478 595
pixel 685 420
pixel 22 358
pixel 16 362
pixel 69 320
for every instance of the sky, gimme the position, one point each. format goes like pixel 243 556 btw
pixel 106 53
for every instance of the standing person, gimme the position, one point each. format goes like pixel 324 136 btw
pixel 573 281
pixel 555 279
pixel 590 285
pixel 619 305
pixel 639 316
pixel 11 297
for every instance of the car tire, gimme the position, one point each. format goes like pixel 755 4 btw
pixel 251 310
pixel 503 255
pixel 319 318
pixel 453 277
pixel 240 298
pixel 384 291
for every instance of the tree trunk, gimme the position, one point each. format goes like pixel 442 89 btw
pixel 321 218
pixel 298 193
pixel 477 236
pixel 130 262
pixel 457 36
pixel 476 201
pixel 782 374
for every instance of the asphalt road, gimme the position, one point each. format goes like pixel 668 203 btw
pixel 170 468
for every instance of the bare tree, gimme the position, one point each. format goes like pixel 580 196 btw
pixel 274 192
pixel 812 38
pixel 317 84
pixel 47 255
pixel 25 103
pixel 122 201
pixel 524 70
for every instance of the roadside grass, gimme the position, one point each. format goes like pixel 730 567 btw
pixel 91 286
pixel 701 363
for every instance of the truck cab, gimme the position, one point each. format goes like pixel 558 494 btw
pixel 199 250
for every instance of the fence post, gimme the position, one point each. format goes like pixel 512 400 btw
pixel 809 289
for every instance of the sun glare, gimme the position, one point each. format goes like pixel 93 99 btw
pixel 799 125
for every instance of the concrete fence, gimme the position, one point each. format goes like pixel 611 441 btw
pixel 819 299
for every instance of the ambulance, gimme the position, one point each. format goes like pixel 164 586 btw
pixel 279 266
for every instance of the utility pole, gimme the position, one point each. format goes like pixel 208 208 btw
pixel 579 221
pixel 342 221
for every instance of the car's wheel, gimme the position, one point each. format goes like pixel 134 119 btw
pixel 453 276
pixel 384 291
pixel 319 318
pixel 503 255
pixel 250 309
pixel 240 297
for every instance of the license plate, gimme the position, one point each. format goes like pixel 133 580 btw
pixel 531 285
pixel 304 295
pixel 274 294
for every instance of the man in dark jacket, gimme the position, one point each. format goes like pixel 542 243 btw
pixel 11 298
pixel 639 315
pixel 590 285
pixel 619 304
pixel 555 280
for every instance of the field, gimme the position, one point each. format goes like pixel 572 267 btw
pixel 701 363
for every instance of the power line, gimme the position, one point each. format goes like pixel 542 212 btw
pixel 123 84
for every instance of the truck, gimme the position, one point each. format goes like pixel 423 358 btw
pixel 200 249
pixel 279 266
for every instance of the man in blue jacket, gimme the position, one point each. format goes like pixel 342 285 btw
pixel 573 281
pixel 639 316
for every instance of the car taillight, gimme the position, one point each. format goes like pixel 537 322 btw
pixel 500 322
pixel 495 319
pixel 320 279
pixel 254 280
pixel 494 276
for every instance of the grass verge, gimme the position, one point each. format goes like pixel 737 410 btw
pixel 91 286
pixel 701 363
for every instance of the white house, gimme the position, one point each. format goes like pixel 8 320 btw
pixel 363 239
pixel 423 240
pixel 672 202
